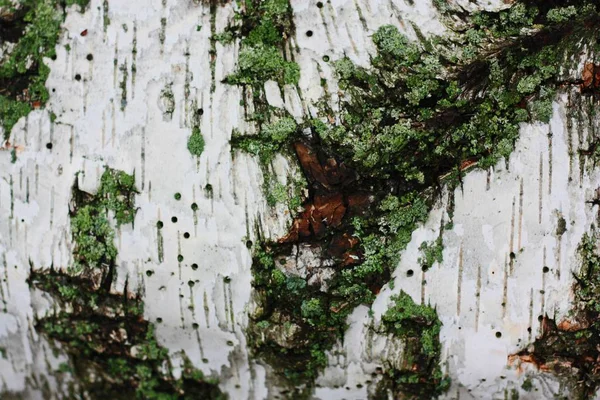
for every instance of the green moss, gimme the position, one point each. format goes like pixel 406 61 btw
pixel 267 23
pixel 196 142
pixel 561 14
pixel 22 70
pixel 93 237
pixel 272 139
pixel 418 327
pixel 225 37
pixel 527 385
pixel 113 352
pixel 92 233
pixel 574 351
pixel 431 253
pixel 117 194
pixel 407 124
pixel 10 112
pixel 81 3
pixel 258 64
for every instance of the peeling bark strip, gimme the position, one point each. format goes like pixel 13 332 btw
pixel 403 130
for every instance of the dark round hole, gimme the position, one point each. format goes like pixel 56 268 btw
pixel 186 235
pixel 173 219
pixel 424 268
pixel 53 57
pixel 545 269
pixel 229 343
pixel 195 325
pixel 149 273
pixel 200 111
pixel 191 283
pixel 529 329
pixel 249 244
pixel 320 4
pixel 512 255
pixel 53 90
pixel 309 33
pixel 49 146
pixel 540 318
pixel 180 258
pixel 77 77
pixel 326 58
pixel 205 360
pixel 194 207
pixel 498 335
pixel 410 273
pixel 177 196
pixel 194 266
pixel 159 320
pixel 227 279
pixel 90 57
pixel 159 224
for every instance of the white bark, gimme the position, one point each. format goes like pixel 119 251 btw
pixel 504 210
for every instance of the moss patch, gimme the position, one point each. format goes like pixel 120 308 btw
pixel 113 352
pixel 416 119
pixel 418 327
pixel 23 72
pixel 570 348
pixel 196 142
